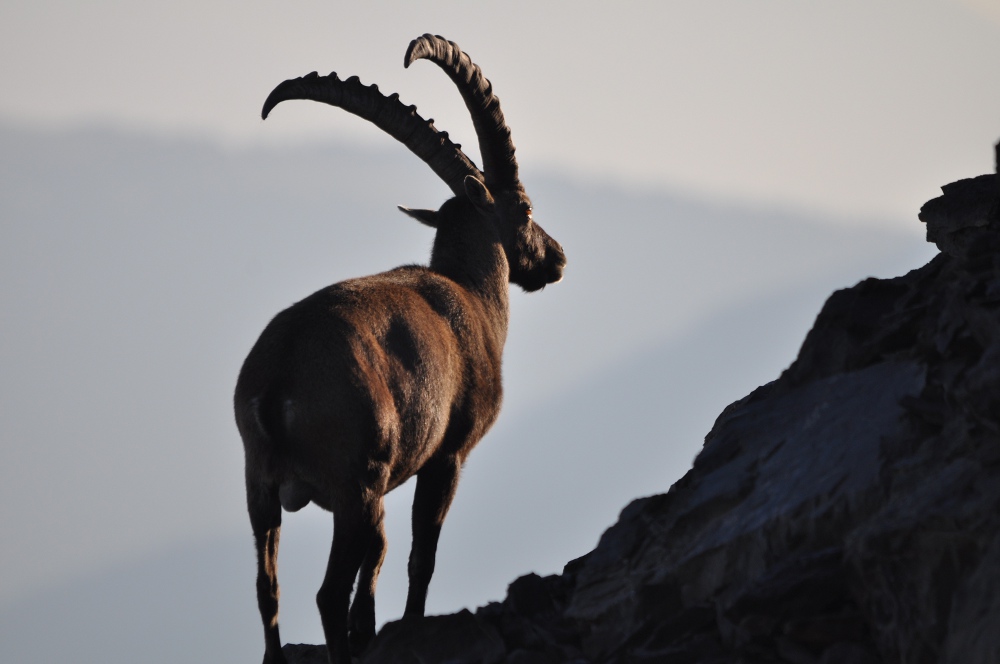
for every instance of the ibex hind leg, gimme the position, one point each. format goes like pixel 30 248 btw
pixel 355 528
pixel 436 484
pixel 265 519
pixel 361 621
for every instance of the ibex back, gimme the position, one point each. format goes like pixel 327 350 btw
pixel 368 382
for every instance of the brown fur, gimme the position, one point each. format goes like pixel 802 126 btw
pixel 368 382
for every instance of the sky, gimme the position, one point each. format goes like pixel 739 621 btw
pixel 712 168
pixel 854 107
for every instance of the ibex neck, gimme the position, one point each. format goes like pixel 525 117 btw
pixel 485 274
pixel 496 299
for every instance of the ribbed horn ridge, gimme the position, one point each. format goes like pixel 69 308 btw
pixel 388 114
pixel 495 142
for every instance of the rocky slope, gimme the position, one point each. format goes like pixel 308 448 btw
pixel 848 512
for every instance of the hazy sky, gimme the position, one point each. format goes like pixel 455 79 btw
pixel 857 107
pixel 139 270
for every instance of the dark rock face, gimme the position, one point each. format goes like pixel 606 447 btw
pixel 963 218
pixel 848 512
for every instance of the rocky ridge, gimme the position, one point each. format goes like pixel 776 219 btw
pixel 847 512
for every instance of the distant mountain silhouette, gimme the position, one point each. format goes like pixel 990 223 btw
pixel 633 423
pixel 135 272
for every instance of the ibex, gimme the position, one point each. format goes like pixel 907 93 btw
pixel 365 383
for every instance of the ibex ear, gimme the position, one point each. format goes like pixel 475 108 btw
pixel 428 217
pixel 478 194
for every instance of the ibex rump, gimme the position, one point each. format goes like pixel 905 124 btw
pixel 360 386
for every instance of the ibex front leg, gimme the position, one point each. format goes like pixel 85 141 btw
pixel 265 519
pixel 436 484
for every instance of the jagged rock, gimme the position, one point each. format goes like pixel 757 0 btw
pixel 967 215
pixel 460 638
pixel 300 653
pixel 848 512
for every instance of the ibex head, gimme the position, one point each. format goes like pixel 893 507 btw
pixel 496 192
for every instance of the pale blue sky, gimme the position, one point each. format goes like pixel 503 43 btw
pixel 856 107
pixel 686 154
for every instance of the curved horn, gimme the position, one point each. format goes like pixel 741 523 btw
pixel 388 114
pixel 495 143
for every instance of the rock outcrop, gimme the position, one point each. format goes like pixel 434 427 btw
pixel 848 512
